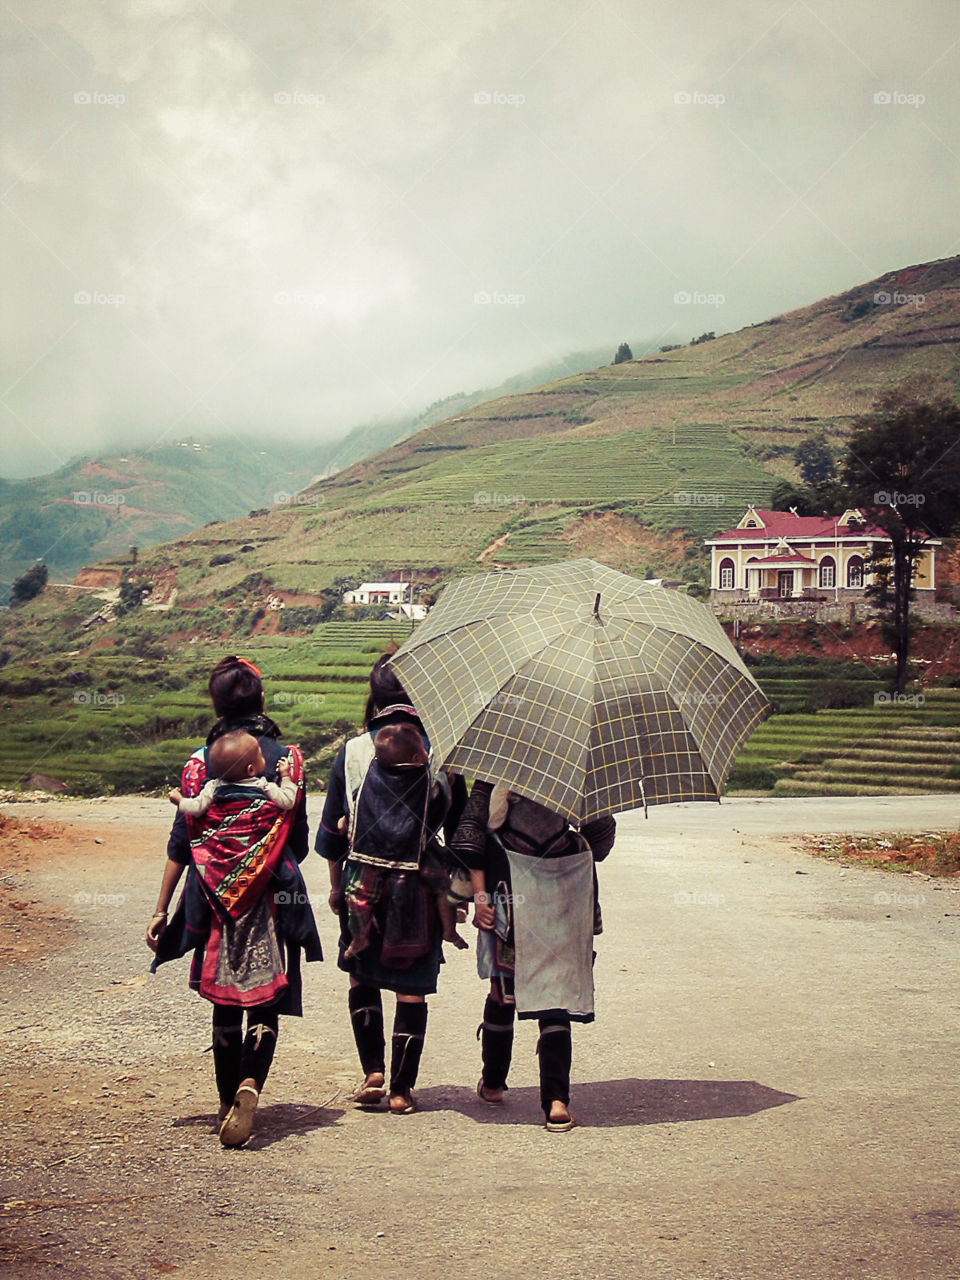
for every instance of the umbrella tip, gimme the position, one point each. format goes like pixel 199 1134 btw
pixel 596 606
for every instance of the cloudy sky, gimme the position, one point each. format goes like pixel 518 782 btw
pixel 225 216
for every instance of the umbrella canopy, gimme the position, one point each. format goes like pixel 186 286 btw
pixel 581 688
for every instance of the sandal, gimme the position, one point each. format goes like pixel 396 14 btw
pixel 238 1125
pixel 368 1095
pixel 403 1104
pixel 560 1125
pixel 487 1102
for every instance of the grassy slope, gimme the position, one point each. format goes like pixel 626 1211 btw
pixel 719 419
pixel 590 465
pixel 139 500
pixel 117 720
pixel 166 491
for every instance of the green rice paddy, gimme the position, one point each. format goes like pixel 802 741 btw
pixel 113 723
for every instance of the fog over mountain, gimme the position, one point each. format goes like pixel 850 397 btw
pixel 290 219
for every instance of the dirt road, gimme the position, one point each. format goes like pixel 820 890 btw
pixel 769 1091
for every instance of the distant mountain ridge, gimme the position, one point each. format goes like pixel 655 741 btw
pixel 371 437
pixel 632 464
pixel 96 508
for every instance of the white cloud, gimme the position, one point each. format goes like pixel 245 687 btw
pixel 380 166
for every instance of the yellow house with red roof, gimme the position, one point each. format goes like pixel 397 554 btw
pixel 779 555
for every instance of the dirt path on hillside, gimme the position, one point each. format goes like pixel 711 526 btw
pixel 769 1090
pixel 490 551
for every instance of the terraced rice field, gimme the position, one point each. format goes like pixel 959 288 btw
pixel 112 723
pixel 895 749
pixel 694 477
pixel 113 727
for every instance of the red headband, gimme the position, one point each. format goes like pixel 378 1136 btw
pixel 245 662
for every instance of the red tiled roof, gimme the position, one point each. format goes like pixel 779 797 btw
pixel 783 524
pixel 785 557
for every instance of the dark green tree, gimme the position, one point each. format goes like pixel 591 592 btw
pixel 902 467
pixel 623 354
pixel 787 495
pixel 815 459
pixel 29 584
pixel 131 596
pixel 332 596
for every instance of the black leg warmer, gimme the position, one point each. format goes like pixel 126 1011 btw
pixel 259 1045
pixel 409 1027
pixel 366 1015
pixel 227 1042
pixel 496 1042
pixel 556 1050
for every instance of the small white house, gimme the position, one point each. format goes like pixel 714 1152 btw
pixel 397 597
pixel 380 593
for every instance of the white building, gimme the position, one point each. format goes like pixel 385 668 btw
pixel 380 593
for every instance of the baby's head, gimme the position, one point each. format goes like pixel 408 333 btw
pixel 235 756
pixel 398 745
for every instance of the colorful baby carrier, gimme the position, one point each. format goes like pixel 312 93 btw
pixel 236 847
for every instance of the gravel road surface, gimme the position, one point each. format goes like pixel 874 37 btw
pixel 769 1090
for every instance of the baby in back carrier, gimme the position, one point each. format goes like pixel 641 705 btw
pixel 236 760
pixel 396 811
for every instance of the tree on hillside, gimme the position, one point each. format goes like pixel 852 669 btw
pixel 818 491
pixel 815 459
pixel 29 584
pixel 332 596
pixel 623 354
pixel 131 596
pixel 903 467
pixel 788 496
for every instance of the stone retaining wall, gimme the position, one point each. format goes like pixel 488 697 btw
pixel 850 610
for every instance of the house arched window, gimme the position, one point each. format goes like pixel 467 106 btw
pixel 855 572
pixel 828 572
pixel 727 572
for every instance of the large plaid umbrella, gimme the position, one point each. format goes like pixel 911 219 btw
pixel 580 687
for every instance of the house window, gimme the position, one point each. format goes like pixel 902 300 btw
pixel 828 572
pixel 726 575
pixel 855 572
pixel 785 583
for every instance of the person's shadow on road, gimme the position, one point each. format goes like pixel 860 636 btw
pixel 275 1121
pixel 611 1103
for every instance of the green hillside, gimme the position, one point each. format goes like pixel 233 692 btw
pixel 609 462
pixel 95 508
pixel 631 464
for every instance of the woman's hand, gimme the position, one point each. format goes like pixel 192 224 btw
pixel 158 925
pixel 482 912
pixel 333 901
pixel 156 929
